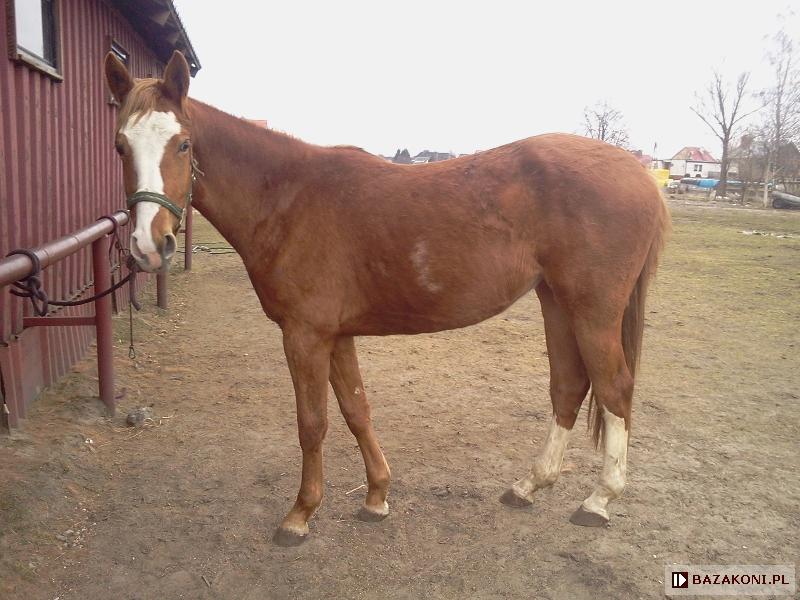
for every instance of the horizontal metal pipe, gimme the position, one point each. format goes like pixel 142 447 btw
pixel 57 321
pixel 18 266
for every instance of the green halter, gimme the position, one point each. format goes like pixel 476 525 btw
pixel 162 200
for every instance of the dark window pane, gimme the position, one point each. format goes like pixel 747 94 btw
pixel 49 31
pixel 121 53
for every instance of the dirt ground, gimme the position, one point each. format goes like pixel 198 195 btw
pixel 185 507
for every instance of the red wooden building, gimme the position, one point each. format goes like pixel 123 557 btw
pixel 58 168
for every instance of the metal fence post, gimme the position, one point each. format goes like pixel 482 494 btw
pixel 187 240
pixel 161 290
pixel 102 318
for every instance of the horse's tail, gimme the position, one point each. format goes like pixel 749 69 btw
pixel 633 317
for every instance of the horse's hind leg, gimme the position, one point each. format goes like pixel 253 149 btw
pixel 346 380
pixel 612 388
pixel 568 386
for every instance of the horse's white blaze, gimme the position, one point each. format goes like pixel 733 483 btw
pixel 147 137
pixel 547 465
pixel 615 458
pixel 145 213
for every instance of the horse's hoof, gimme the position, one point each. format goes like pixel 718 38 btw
pixel 288 539
pixel 585 518
pixel 510 498
pixel 371 516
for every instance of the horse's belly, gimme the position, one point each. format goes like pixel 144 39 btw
pixel 425 309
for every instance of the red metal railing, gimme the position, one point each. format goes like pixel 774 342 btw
pixel 18 267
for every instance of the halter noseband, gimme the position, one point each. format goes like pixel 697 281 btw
pixel 162 200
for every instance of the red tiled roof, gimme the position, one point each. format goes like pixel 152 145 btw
pixel 259 123
pixel 645 159
pixel 696 154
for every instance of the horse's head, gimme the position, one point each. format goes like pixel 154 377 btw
pixel 154 142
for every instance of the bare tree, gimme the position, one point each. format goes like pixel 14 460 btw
pixel 722 111
pixel 603 122
pixel 781 124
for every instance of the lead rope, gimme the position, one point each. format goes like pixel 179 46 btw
pixel 131 349
pixel 31 286
pixel 133 269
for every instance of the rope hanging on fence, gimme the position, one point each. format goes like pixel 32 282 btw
pixel 31 286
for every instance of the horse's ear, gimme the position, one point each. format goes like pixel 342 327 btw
pixel 119 80
pixel 176 78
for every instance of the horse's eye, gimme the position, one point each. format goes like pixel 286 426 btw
pixel 184 146
pixel 120 149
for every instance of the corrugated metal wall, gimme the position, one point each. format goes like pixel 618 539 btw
pixel 58 173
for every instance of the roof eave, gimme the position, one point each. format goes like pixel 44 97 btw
pixel 160 25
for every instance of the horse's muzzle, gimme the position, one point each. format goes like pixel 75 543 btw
pixel 158 261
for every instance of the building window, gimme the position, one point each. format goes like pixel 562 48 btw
pixel 120 52
pixel 698 168
pixel 33 33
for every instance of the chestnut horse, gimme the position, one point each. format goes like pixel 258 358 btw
pixel 339 243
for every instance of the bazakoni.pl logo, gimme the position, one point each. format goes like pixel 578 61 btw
pixel 725 580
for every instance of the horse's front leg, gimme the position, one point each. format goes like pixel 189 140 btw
pixel 308 355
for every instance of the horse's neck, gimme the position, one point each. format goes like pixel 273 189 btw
pixel 245 171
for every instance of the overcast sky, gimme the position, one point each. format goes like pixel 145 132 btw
pixel 463 76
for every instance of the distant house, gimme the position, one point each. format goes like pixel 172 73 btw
pixel 748 160
pixel 645 159
pixel 427 156
pixel 789 162
pixel 258 123
pixel 692 161
pixel 404 157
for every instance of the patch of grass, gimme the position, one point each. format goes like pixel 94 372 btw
pixel 724 309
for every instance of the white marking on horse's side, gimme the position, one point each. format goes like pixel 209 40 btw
pixel 147 137
pixel 615 459
pixel 547 465
pixel 419 257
